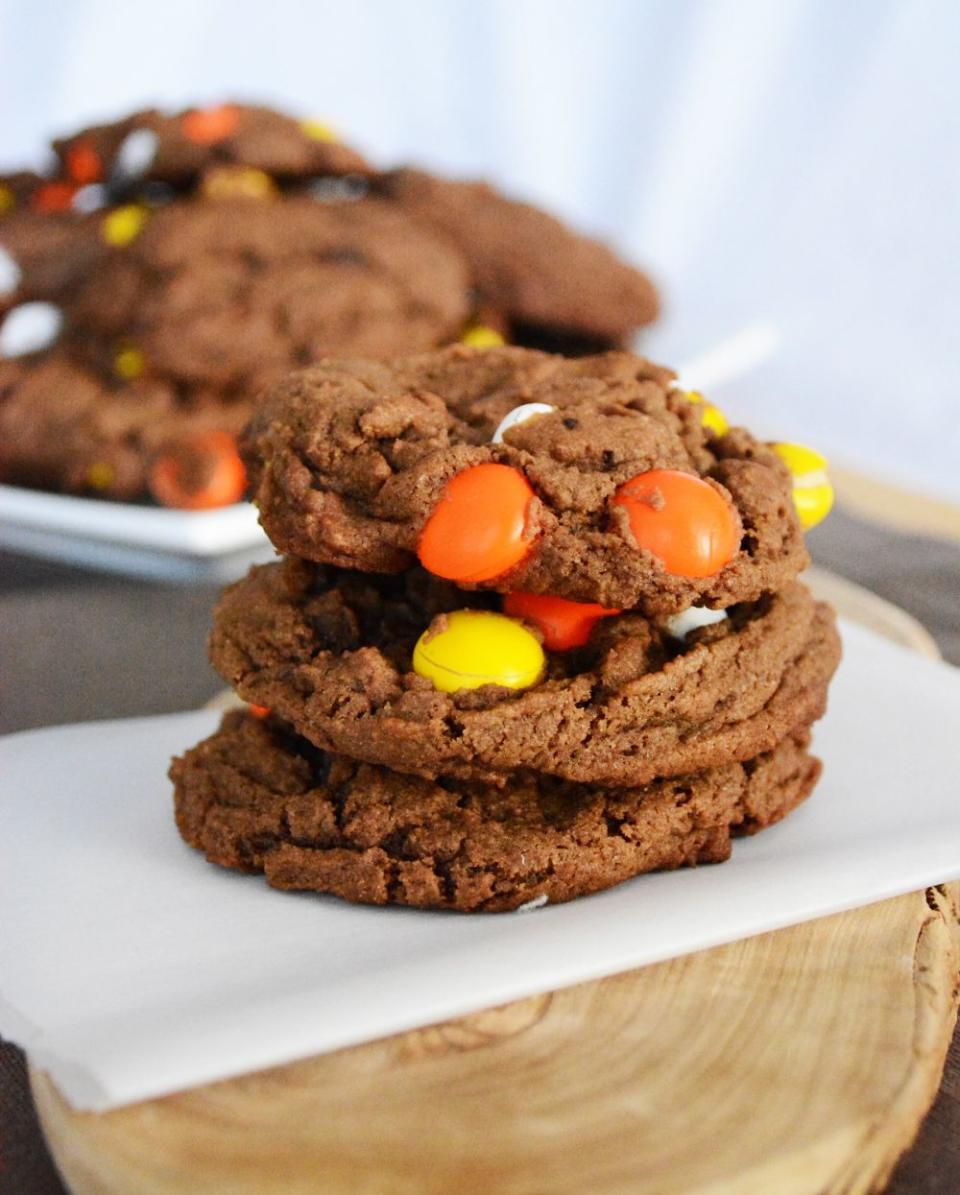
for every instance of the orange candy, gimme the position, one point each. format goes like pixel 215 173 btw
pixel 83 163
pixel 478 529
pixel 205 472
pixel 691 528
pixel 206 126
pixel 53 197
pixel 562 623
pixel 258 711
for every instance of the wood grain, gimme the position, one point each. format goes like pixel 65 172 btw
pixel 800 1061
pixel 795 1063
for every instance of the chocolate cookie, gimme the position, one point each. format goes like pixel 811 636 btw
pixel 43 256
pixel 545 278
pixel 234 294
pixel 66 429
pixel 257 798
pixel 331 654
pixel 177 148
pixel 351 460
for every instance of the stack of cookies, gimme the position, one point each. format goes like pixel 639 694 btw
pixel 538 630
pixel 172 266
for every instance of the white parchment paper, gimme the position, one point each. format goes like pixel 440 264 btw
pixel 130 967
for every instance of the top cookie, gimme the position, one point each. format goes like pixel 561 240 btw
pixel 543 277
pixel 153 146
pixel 367 465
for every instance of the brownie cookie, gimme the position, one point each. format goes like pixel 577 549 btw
pixel 545 278
pixel 331 653
pixel 66 429
pixel 234 294
pixel 178 148
pixel 350 460
pixel 43 256
pixel 255 797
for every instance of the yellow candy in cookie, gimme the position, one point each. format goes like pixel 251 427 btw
pixel 129 363
pixel 101 476
pixel 470 648
pixel 8 201
pixel 318 130
pixel 124 224
pixel 239 182
pixel 812 491
pixel 479 336
pixel 710 416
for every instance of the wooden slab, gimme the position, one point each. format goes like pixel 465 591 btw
pixel 795 1063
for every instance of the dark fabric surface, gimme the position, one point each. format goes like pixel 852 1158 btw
pixel 76 645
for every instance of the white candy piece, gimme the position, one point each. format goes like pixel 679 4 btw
pixel 136 153
pixel 90 199
pixel 520 415
pixel 29 328
pixel 339 190
pixel 537 903
pixel 691 619
pixel 10 274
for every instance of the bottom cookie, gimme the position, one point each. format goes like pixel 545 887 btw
pixel 256 797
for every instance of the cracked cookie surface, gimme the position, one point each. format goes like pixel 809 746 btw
pixel 349 459
pixel 256 798
pixel 330 653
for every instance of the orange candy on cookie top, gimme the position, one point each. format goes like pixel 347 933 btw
pixel 481 527
pixel 681 520
pixel 83 164
pixel 207 126
pixel 202 472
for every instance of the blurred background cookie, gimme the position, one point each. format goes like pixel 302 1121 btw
pixel 205 253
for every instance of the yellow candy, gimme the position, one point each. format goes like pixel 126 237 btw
pixel 710 416
pixel 8 201
pixel 101 476
pixel 812 491
pixel 239 183
pixel 124 224
pixel 479 336
pixel 129 363
pixel 478 647
pixel 318 130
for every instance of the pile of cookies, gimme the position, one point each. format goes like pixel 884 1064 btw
pixel 172 266
pixel 538 630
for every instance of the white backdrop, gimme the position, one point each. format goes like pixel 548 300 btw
pixel 790 159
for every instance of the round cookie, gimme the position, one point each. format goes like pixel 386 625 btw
pixel 350 460
pixel 176 148
pixel 256 798
pixel 234 294
pixel 331 653
pixel 546 279
pixel 64 428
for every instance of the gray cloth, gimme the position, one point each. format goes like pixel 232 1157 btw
pixel 77 645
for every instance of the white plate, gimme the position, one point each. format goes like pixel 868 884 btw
pixel 140 540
